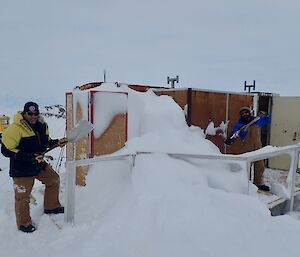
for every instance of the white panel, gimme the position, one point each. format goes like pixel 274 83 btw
pixel 285 127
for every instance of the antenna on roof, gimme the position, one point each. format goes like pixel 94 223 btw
pixel 173 80
pixel 249 86
pixel 104 75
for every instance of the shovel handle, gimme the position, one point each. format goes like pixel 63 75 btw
pixel 50 148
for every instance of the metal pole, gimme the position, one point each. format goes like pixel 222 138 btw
pixel 248 167
pixel 293 168
pixel 70 192
pixel 226 119
pixel 189 107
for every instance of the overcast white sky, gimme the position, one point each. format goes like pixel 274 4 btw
pixel 49 47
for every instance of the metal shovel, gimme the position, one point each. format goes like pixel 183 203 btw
pixel 82 128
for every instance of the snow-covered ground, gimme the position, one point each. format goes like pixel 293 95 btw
pixel 162 206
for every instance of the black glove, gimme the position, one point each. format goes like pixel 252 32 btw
pixel 229 141
pixel 52 142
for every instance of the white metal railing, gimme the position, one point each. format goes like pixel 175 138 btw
pixel 292 151
pixel 71 180
pixel 244 160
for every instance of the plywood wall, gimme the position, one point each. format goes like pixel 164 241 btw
pixel 82 151
pixel 82 146
pixel 204 107
pixel 180 96
pixel 209 107
pixel 113 138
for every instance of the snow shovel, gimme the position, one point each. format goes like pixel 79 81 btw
pixel 75 134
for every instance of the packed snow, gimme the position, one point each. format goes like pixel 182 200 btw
pixel 160 206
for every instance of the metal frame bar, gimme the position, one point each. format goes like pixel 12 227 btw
pixel 247 159
pixel 70 192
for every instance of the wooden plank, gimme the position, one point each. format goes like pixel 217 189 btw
pixel 69 124
pixel 81 150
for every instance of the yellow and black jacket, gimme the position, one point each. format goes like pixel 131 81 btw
pixel 21 141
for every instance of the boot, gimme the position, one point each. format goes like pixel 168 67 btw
pixel 263 188
pixel 29 229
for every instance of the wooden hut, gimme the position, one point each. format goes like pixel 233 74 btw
pixel 201 108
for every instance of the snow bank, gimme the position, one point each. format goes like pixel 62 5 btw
pixel 162 206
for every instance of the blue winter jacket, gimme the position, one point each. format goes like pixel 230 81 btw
pixel 240 123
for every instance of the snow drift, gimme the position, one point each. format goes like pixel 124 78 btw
pixel 161 206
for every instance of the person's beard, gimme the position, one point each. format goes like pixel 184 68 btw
pixel 245 118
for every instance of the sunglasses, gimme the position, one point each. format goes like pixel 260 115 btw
pixel 33 113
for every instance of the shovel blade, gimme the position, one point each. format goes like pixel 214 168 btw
pixel 79 131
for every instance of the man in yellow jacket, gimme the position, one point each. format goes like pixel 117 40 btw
pixel 23 142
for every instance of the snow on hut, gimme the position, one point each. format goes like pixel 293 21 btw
pixel 109 108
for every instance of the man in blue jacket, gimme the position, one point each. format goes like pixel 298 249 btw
pixel 250 140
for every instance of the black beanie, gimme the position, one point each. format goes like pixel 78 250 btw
pixel 31 107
